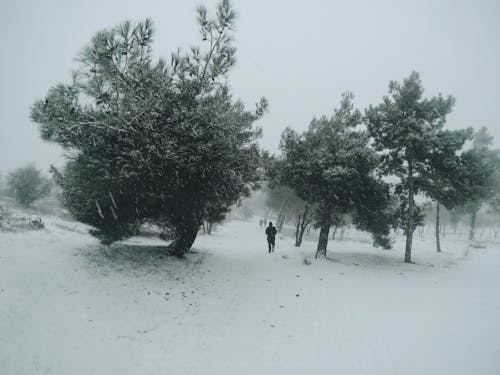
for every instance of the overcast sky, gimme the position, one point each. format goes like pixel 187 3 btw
pixel 300 55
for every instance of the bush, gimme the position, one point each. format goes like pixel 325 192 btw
pixel 27 185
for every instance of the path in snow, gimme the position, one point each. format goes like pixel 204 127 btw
pixel 68 305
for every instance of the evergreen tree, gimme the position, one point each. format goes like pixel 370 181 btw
pixel 406 128
pixel 27 185
pixel 156 141
pixel 331 167
pixel 478 176
pixel 442 180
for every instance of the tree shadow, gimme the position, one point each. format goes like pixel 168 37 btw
pixel 141 260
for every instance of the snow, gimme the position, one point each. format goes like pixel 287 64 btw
pixel 71 306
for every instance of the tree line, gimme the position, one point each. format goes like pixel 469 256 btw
pixel 166 142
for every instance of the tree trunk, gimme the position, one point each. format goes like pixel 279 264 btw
pixel 343 228
pixel 334 231
pixel 185 236
pixel 301 234
pixel 280 222
pixel 421 231
pixel 438 245
pixel 302 227
pixel 209 227
pixel 281 216
pixel 323 238
pixel 297 230
pixel 411 209
pixel 472 224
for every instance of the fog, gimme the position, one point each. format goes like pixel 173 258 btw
pixel 300 55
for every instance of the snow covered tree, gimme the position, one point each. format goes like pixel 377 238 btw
pixel 442 180
pixel 27 185
pixel 150 140
pixel 406 128
pixel 331 167
pixel 478 176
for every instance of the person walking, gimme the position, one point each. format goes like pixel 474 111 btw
pixel 271 236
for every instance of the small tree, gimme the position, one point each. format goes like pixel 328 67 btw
pixel 405 128
pixel 151 140
pixel 27 185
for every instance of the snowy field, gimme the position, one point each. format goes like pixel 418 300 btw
pixel 71 306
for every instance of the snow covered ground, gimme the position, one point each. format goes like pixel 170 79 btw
pixel 71 306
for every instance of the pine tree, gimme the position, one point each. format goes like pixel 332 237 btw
pixel 442 180
pixel 404 128
pixel 478 176
pixel 331 167
pixel 153 141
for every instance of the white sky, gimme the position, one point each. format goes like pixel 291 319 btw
pixel 300 55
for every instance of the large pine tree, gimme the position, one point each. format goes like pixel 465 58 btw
pixel 151 140
pixel 331 167
pixel 408 131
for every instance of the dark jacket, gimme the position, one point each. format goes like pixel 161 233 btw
pixel 271 233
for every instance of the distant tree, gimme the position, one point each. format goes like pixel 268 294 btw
pixel 304 217
pixel 339 221
pixel 153 141
pixel 246 212
pixel 479 176
pixel 282 200
pixel 406 128
pixel 482 139
pixel 331 167
pixel 442 179
pixel 27 185
pixel 495 203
